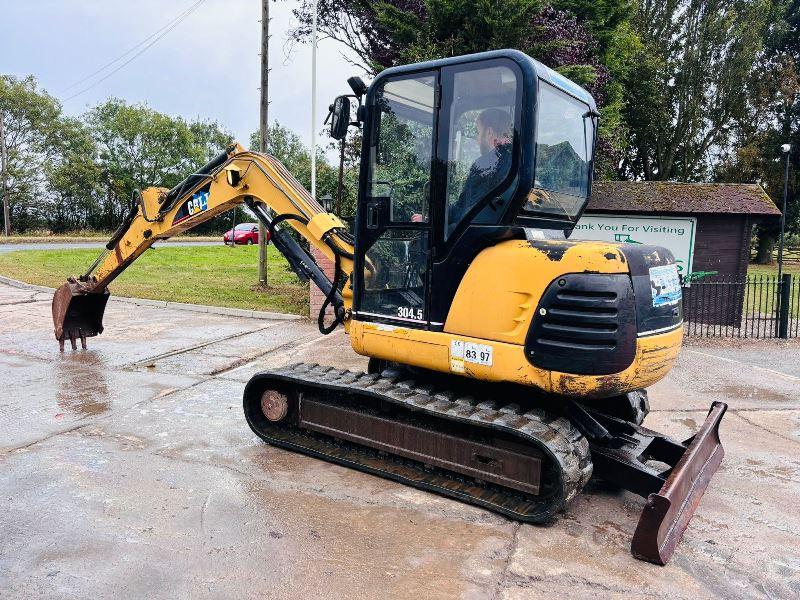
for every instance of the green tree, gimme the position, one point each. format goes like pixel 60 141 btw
pixel 454 27
pixel 772 119
pixel 392 32
pixel 289 149
pixel 686 79
pixel 601 18
pixel 32 123
pixel 73 191
pixel 139 147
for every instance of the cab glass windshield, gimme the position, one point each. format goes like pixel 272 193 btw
pixel 480 125
pixel 564 145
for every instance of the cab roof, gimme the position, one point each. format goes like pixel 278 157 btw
pixel 531 66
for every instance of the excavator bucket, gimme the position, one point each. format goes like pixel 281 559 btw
pixel 78 312
pixel 668 512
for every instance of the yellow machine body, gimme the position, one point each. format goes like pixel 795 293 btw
pixel 494 307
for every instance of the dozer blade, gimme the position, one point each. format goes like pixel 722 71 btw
pixel 78 312
pixel 635 458
pixel 667 513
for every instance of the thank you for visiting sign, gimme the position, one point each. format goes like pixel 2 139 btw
pixel 673 233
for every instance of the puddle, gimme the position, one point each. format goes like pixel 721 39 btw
pixel 752 393
pixel 82 392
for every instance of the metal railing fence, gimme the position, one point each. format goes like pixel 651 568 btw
pixel 752 306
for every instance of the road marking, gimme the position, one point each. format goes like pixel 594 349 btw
pixel 739 362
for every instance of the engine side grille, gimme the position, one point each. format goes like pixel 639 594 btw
pixel 585 324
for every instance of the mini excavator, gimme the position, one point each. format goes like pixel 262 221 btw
pixel 507 363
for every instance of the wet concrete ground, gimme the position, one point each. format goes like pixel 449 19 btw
pixel 128 471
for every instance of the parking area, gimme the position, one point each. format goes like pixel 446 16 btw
pixel 127 470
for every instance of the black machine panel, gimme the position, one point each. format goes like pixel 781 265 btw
pixel 657 309
pixel 585 324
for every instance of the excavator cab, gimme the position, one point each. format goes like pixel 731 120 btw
pixel 457 155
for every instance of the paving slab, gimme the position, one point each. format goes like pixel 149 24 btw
pixel 127 470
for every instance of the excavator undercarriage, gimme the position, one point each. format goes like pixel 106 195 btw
pixel 499 448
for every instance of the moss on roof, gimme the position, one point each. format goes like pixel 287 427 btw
pixel 671 197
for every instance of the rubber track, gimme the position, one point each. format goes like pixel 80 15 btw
pixel 555 436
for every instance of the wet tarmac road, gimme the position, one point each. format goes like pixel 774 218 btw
pixel 128 471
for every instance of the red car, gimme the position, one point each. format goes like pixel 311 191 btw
pixel 246 233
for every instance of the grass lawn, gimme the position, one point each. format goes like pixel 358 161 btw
pixel 761 297
pixel 215 275
pixel 790 267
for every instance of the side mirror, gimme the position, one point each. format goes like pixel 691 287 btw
pixel 340 117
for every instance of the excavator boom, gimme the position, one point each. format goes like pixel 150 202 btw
pixel 233 178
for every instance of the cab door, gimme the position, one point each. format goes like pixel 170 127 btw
pixel 394 217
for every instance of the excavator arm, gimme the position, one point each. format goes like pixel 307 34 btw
pixel 235 177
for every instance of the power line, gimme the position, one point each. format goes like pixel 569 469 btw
pixel 164 31
pixel 129 50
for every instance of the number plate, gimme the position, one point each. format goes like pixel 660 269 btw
pixel 478 353
pixel 461 352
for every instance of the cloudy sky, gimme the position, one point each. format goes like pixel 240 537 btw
pixel 207 66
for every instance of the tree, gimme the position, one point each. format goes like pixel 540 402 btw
pixel 73 191
pixel 289 149
pixel 772 118
pixel 686 81
pixel 31 123
pixel 392 32
pixel 602 19
pixel 139 147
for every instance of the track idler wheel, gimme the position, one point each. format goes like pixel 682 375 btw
pixel 274 405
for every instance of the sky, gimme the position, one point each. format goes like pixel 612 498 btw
pixel 207 66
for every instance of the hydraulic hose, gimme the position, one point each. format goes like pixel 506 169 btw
pixel 338 253
pixel 338 309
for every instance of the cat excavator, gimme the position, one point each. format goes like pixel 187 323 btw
pixel 507 364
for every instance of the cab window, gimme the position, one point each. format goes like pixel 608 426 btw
pixel 564 142
pixel 395 271
pixel 400 165
pixel 482 122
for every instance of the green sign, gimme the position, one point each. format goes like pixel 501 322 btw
pixel 676 234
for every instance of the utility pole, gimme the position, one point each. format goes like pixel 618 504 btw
pixel 264 126
pixel 784 281
pixel 786 149
pixel 314 100
pixel 4 178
